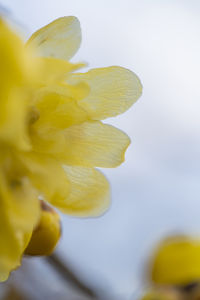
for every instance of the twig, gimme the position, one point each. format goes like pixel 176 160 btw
pixel 68 275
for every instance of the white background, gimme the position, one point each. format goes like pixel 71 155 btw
pixel 156 192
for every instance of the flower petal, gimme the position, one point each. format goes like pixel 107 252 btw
pixel 89 144
pixel 55 70
pixel 20 197
pixel 89 195
pixel 47 175
pixel 10 246
pixel 17 71
pixel 13 240
pixel 60 39
pixel 23 204
pixel 94 144
pixel 58 110
pixel 112 91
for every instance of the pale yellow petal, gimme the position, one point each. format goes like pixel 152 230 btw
pixel 112 91
pixel 19 195
pixel 12 248
pixel 94 144
pixel 55 70
pixel 177 261
pixel 22 203
pixel 87 144
pixel 9 259
pixel 47 175
pixel 60 39
pixel 12 239
pixel 56 109
pixel 89 195
pixel 48 140
pixel 19 213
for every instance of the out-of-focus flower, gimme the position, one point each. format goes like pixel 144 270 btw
pixel 177 261
pixel 175 270
pixel 51 134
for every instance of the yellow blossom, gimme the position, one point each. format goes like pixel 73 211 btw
pixel 177 261
pixel 175 270
pixel 51 134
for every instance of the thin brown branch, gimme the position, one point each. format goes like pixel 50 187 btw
pixel 67 274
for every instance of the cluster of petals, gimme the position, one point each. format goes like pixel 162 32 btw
pixel 51 134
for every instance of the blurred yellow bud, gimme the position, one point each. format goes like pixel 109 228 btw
pixel 177 261
pixel 47 233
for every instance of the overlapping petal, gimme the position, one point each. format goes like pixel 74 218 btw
pixel 94 144
pixel 112 91
pixel 22 202
pixel 14 235
pixel 60 39
pixel 53 119
pixel 89 195
pixel 57 109
pixel 9 259
pixel 89 144
pixel 47 175
pixel 54 70
pixel 16 64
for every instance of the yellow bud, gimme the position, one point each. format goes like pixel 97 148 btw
pixel 177 261
pixel 47 233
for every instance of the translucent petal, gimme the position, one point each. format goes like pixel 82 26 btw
pixel 177 261
pixel 87 144
pixel 48 176
pixel 112 91
pixel 94 144
pixel 89 195
pixel 60 39
pixel 58 110
pixel 55 70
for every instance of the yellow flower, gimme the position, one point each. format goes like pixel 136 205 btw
pixel 19 206
pixel 177 261
pixel 68 130
pixel 51 134
pixel 175 270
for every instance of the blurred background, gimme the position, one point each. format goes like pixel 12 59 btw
pixel 156 191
